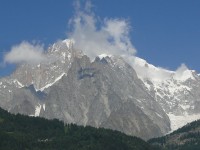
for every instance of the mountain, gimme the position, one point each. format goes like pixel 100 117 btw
pixel 106 92
pixel 185 138
pixel 31 133
pixel 176 92
pixel 91 95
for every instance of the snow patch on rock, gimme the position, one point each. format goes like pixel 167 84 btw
pixel 50 84
pixel 37 110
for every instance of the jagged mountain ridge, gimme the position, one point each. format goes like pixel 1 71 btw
pixel 136 102
pixel 60 56
pixel 41 76
pixel 91 95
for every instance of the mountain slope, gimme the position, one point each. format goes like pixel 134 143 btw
pixel 185 138
pixel 141 100
pixel 177 92
pixel 87 93
pixel 22 132
pixel 91 95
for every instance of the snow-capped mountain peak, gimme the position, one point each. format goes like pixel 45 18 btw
pixel 69 43
pixel 146 71
pixel 104 56
pixel 158 74
pixel 175 91
pixel 184 75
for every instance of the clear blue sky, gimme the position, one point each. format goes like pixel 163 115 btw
pixel 165 32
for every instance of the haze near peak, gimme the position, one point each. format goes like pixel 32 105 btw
pixel 96 36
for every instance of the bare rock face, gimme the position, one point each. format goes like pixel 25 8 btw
pixel 102 94
pixel 27 101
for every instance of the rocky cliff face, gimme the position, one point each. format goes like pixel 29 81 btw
pixel 105 92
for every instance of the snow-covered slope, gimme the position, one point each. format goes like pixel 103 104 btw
pixel 176 91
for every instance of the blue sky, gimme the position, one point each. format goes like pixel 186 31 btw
pixel 166 33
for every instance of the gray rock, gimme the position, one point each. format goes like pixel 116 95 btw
pixel 104 95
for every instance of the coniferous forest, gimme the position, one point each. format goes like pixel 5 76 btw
pixel 185 138
pixel 34 133
pixel 19 132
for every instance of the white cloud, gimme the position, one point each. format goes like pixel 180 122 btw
pixel 183 73
pixel 25 53
pixel 180 70
pixel 95 36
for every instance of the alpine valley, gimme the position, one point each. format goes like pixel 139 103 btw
pixel 105 92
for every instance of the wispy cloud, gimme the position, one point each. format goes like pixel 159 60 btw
pixel 180 70
pixel 25 52
pixel 95 36
pixel 183 73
